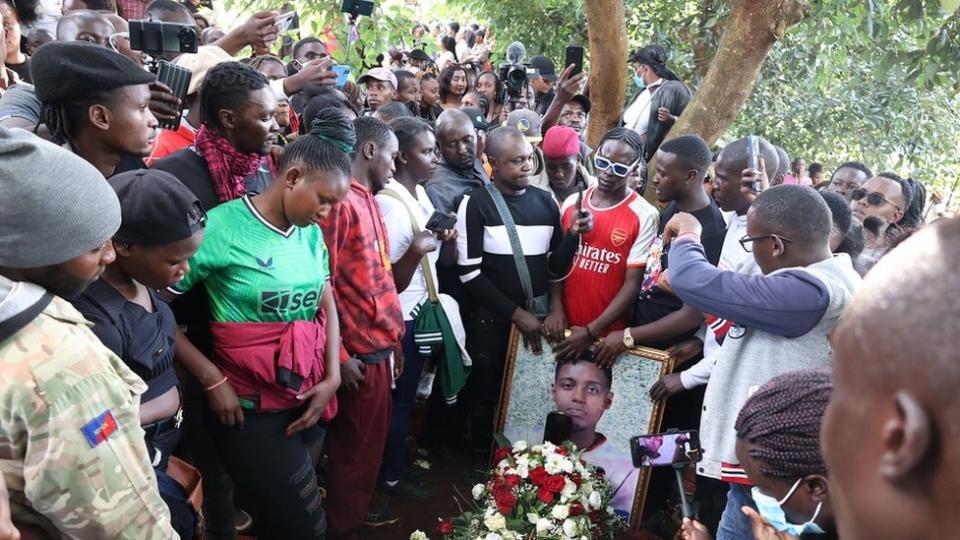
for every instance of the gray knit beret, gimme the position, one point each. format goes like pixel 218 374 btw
pixel 54 206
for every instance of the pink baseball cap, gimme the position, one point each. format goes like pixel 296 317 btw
pixel 561 142
pixel 380 74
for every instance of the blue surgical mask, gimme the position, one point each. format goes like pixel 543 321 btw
pixel 638 80
pixel 772 511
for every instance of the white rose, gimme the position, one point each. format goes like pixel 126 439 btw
pixel 570 528
pixel 566 465
pixel 522 471
pixel 520 446
pixel 419 535
pixel 543 526
pixel 533 518
pixel 560 511
pixel 569 488
pixel 594 500
pixel 495 522
pixel 493 536
pixel 478 491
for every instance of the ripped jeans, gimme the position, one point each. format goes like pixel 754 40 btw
pixel 275 472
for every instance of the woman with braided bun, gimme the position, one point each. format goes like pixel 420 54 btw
pixel 778 445
pixel 275 366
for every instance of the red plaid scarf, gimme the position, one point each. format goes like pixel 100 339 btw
pixel 228 167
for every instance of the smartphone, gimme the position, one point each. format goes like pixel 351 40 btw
pixel 358 7
pixel 558 428
pixel 580 212
pixel 662 449
pixel 753 161
pixel 343 74
pixel 178 79
pixel 283 22
pixel 574 56
pixel 440 222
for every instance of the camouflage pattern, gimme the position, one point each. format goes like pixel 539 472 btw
pixel 55 377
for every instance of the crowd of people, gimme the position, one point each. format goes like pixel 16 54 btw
pixel 257 297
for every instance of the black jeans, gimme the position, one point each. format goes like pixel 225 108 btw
pixel 487 342
pixel 275 472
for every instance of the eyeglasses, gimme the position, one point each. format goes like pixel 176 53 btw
pixel 873 198
pixel 747 241
pixel 619 169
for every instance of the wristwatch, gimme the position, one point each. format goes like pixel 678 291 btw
pixel 627 338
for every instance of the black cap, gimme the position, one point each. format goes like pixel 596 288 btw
pixel 584 102
pixel 544 67
pixel 476 116
pixel 63 71
pixel 155 208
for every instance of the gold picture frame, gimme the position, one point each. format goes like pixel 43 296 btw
pixel 635 371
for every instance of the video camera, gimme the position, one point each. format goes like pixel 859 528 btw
pixel 514 74
pixel 156 38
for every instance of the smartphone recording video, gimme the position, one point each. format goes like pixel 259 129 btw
pixel 663 449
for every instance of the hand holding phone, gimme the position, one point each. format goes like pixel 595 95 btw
pixel 662 449
pixel 440 222
pixel 282 22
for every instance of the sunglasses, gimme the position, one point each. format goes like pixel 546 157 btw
pixel 619 169
pixel 873 198
pixel 747 241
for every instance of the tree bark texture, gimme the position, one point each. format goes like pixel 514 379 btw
pixel 608 58
pixel 751 29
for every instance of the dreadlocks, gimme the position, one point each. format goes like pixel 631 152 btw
pixel 782 423
pixel 64 118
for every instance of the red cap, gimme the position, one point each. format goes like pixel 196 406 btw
pixel 561 142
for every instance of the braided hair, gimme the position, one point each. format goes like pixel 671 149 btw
pixel 64 118
pixel 781 421
pixel 628 137
pixel 228 86
pixel 326 147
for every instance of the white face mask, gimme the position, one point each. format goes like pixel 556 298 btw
pixel 772 511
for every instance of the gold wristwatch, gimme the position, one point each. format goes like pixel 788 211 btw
pixel 627 338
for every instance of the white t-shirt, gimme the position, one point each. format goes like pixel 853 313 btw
pixel 400 236
pixel 637 115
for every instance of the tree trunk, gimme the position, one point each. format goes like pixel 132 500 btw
pixel 750 31
pixel 608 57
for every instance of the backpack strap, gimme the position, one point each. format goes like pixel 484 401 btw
pixel 424 263
pixel 518 257
pixel 16 323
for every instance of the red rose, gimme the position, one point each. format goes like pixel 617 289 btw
pixel 545 495
pixel 538 476
pixel 505 502
pixel 577 479
pixel 595 516
pixel 562 450
pixel 499 491
pixel 501 454
pixel 512 480
pixel 576 509
pixel 554 483
pixel 445 527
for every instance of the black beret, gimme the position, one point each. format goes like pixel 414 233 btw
pixel 64 71
pixel 155 208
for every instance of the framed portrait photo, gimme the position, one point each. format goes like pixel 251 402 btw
pixel 618 408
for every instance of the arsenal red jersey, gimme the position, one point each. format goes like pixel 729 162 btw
pixel 620 239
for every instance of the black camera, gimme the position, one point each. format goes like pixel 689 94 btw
pixel 156 38
pixel 514 77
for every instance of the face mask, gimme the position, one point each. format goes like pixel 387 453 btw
pixel 638 80
pixel 771 510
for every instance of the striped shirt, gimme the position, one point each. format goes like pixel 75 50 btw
pixel 485 256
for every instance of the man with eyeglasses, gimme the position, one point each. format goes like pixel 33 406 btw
pixel 605 278
pixel 884 196
pixel 782 317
